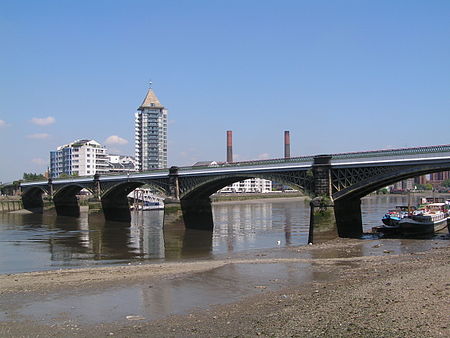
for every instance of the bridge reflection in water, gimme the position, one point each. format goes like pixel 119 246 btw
pixel 31 242
pixel 46 241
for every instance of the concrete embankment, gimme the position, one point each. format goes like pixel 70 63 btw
pixel 8 205
pixel 237 197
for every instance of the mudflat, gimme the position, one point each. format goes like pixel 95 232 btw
pixel 372 292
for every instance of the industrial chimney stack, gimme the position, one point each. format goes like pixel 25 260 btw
pixel 229 146
pixel 287 144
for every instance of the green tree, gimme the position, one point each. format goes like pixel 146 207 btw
pixel 33 177
pixel 446 183
pixel 382 191
pixel 427 186
pixel 65 175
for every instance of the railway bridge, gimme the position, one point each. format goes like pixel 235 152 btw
pixel 335 182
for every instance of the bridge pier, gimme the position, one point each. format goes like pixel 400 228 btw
pixel 66 202
pixel 348 217
pixel 116 208
pixel 118 212
pixel 67 206
pixel 197 213
pixel 322 222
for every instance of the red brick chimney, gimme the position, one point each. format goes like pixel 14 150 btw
pixel 229 146
pixel 287 144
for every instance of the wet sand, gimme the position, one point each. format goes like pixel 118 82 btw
pixel 374 291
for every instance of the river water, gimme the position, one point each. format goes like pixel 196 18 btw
pixel 33 242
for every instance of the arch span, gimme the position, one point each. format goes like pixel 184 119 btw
pixel 115 202
pixel 374 183
pixel 32 199
pixel 347 202
pixel 66 201
pixel 196 204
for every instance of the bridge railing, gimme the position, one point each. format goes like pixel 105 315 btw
pixel 393 152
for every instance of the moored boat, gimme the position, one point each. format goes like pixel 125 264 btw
pixel 426 220
pixel 393 216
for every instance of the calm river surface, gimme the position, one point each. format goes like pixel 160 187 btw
pixel 32 242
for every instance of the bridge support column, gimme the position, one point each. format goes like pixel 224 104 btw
pixel 321 169
pixel 172 207
pixel 66 201
pixel 322 224
pixel 197 213
pixel 115 205
pixel 67 206
pixel 50 189
pixel 348 217
pixel 116 208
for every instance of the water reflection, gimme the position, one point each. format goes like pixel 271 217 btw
pixel 260 224
pixel 31 242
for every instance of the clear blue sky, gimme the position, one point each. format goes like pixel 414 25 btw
pixel 340 75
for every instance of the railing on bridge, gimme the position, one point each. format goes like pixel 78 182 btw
pixel 393 152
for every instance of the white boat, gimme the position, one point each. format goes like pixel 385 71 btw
pixel 148 206
pixel 145 199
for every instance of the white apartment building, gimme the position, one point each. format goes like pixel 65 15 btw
pixel 79 158
pixel 255 185
pixel 151 134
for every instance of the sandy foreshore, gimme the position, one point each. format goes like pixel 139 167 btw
pixel 381 293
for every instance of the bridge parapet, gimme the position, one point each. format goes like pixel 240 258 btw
pixel 401 152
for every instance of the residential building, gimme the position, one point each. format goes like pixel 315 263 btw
pixel 79 158
pixel 151 134
pixel 252 185
pixel 404 185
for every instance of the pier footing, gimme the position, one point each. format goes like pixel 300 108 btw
pixel 197 214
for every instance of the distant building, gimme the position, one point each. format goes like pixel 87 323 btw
pixel 79 158
pixel 436 179
pixel 121 164
pixel 252 185
pixel 151 134
pixel 404 185
pixel 206 164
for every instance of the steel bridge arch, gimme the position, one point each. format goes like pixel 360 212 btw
pixel 384 177
pixel 109 188
pixel 204 186
pixel 71 187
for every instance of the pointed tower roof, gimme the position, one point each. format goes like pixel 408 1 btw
pixel 150 101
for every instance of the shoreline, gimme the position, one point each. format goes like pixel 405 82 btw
pixel 359 288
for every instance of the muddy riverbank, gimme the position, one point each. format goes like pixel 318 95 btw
pixel 339 288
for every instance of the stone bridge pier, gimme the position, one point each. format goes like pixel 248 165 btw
pixel 331 218
pixel 196 211
pixel 66 202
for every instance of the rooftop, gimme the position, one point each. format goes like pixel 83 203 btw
pixel 150 101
